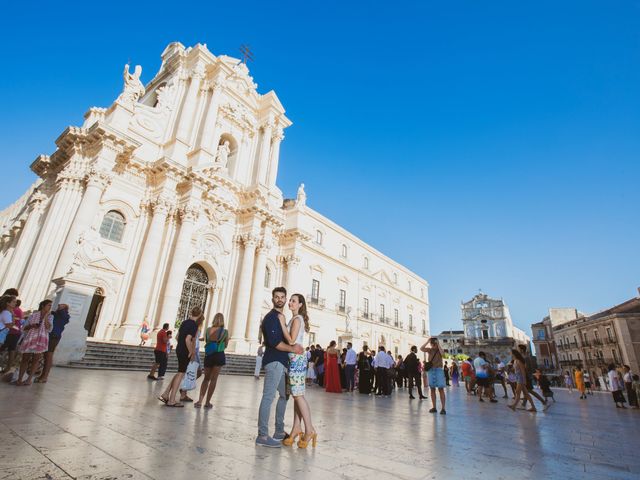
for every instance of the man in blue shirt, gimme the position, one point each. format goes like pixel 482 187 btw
pixel 275 363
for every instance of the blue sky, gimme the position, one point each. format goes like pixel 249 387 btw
pixel 487 145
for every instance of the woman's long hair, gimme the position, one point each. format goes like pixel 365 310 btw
pixel 303 311
pixel 218 321
pixel 518 355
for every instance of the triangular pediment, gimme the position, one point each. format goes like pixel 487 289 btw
pixel 104 263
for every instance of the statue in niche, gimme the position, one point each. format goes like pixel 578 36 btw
pixel 301 197
pixel 222 156
pixel 133 88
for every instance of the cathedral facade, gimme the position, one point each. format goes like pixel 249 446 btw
pixel 488 327
pixel 168 200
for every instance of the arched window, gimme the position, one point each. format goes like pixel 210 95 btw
pixel 112 227
pixel 267 277
pixel 344 251
pixel 318 237
pixel 366 263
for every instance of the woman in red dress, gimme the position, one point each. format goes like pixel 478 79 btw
pixel 332 374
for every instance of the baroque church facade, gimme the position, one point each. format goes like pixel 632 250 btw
pixel 168 200
pixel 488 327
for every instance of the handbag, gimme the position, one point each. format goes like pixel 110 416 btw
pixel 189 380
pixel 429 365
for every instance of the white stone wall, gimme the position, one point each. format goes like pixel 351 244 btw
pixel 190 162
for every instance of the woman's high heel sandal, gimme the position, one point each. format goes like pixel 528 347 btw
pixel 291 439
pixel 303 442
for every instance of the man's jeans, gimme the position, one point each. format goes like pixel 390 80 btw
pixel 274 379
pixel 350 374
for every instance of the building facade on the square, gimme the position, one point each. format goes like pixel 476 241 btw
pixel 595 341
pixel 488 327
pixel 452 341
pixel 168 200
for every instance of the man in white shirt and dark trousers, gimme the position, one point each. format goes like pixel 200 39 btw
pixel 383 363
pixel 350 367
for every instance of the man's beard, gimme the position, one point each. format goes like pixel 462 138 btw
pixel 278 304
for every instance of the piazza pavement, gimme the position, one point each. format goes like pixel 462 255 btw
pixel 92 424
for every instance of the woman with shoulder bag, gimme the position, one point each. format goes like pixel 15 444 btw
pixel 216 338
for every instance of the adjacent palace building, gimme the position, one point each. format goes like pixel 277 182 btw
pixel 167 200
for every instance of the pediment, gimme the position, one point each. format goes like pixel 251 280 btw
pixel 105 264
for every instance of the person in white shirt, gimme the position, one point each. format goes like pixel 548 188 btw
pixel 615 387
pixel 382 362
pixel 350 367
pixel 482 377
pixel 500 375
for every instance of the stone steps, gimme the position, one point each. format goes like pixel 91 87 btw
pixel 113 356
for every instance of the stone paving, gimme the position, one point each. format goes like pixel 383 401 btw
pixel 88 424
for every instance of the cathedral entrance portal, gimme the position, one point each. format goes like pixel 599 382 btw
pixel 194 292
pixel 94 312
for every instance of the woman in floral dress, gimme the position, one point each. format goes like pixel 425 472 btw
pixel 35 340
pixel 293 333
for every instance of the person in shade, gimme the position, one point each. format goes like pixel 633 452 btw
pixel 60 319
pixel 435 373
pixel 412 369
pixel 161 354
pixel 275 363
pixel 364 371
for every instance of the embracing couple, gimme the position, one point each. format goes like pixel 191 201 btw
pixel 284 354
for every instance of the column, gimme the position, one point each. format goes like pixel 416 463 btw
pixel 275 157
pixel 243 290
pixel 206 151
pixel 26 241
pixel 179 265
pixel 263 159
pixel 181 145
pixel 96 183
pixel 257 294
pixel 147 268
pixel 37 277
pixel 292 268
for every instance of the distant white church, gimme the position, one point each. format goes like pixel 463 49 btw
pixel 167 199
pixel 488 327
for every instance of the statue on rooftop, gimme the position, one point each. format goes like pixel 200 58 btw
pixel 133 88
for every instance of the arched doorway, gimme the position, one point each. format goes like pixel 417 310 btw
pixel 93 315
pixel 194 292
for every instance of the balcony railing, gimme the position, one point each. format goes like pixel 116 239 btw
pixel 366 315
pixel 586 343
pixel 341 308
pixel 611 340
pixel 316 302
pixel 597 342
pixel 386 320
pixel 412 328
pixel 396 323
pixel 573 345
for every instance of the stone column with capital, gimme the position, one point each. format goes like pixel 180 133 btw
pixel 36 280
pixel 26 241
pixel 257 294
pixel 243 294
pixel 143 283
pixel 205 152
pixel 275 157
pixel 265 148
pixel 292 269
pixel 179 265
pixel 180 146
pixel 97 181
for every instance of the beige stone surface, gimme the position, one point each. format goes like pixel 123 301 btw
pixel 108 425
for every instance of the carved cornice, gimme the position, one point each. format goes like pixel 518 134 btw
pixel 188 213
